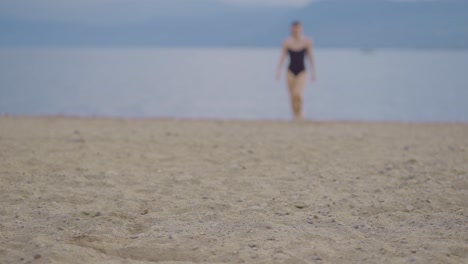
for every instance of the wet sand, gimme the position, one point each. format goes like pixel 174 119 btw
pixel 176 191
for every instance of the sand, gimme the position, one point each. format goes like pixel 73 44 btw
pixel 176 191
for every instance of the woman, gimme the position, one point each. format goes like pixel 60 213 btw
pixel 298 47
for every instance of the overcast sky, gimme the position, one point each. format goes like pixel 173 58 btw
pixel 269 2
pixel 121 11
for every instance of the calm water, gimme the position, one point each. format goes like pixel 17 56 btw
pixel 384 85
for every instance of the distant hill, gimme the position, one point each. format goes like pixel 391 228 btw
pixel 371 23
pixel 332 23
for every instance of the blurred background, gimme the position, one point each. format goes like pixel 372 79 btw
pixel 377 60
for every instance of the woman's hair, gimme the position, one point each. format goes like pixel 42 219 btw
pixel 296 23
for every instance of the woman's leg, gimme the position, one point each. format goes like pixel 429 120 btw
pixel 296 85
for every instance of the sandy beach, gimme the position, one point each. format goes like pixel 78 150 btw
pixel 78 190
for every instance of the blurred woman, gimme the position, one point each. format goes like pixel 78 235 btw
pixel 298 47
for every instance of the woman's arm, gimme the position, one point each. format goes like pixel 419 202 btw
pixel 310 57
pixel 284 52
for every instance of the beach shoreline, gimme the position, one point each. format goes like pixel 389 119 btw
pixel 126 190
pixel 238 120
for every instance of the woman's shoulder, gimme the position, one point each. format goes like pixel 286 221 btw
pixel 287 41
pixel 308 40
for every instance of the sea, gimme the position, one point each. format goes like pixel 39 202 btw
pixel 233 83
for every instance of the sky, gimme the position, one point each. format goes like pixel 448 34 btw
pixel 221 22
pixel 105 11
pixel 269 2
pixel 123 11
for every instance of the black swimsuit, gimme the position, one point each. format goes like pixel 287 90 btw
pixel 296 65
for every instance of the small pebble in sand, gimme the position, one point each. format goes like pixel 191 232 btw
pixel 316 258
pixel 252 245
pixel 409 208
pixel 97 214
pixel 356 226
pixel 37 256
pixel 144 212
pixel 133 237
pixel 300 205
pixel 282 213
